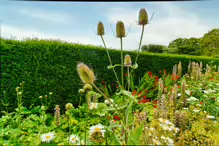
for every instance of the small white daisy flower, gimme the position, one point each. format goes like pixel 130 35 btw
pixel 74 138
pixel 107 101
pixel 97 128
pixel 170 141
pixel 188 92
pixel 195 110
pixel 47 137
pixel 206 92
pixel 210 117
pixel 93 105
pixel 179 94
pixel 185 108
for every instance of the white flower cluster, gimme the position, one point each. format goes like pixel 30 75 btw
pixel 167 125
pixel 167 140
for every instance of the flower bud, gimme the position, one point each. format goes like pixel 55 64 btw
pixel 42 107
pixel 19 93
pixel 40 97
pixel 17 89
pixel 81 91
pixel 143 17
pixel 85 73
pixel 120 29
pixel 50 93
pixel 128 61
pixel 87 87
pixel 100 29
pixel 46 96
pixel 68 106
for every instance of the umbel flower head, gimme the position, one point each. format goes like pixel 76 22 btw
pixel 100 29
pixel 143 17
pixel 127 61
pixel 85 73
pixel 120 29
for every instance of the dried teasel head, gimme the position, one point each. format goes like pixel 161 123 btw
pixel 85 73
pixel 143 17
pixel 127 61
pixel 100 29
pixel 120 29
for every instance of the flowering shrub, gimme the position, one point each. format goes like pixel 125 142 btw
pixel 175 109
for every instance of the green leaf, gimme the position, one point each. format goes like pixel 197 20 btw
pixel 135 135
pixel 112 66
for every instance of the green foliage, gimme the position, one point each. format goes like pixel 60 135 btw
pixel 50 66
pixel 153 48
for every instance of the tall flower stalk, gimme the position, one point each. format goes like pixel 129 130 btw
pixel 101 32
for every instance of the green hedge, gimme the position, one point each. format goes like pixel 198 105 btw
pixel 50 66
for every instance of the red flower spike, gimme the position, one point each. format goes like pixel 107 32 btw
pixel 145 96
pixel 150 73
pixel 134 92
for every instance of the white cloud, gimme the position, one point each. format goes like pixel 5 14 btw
pixel 46 15
pixel 169 22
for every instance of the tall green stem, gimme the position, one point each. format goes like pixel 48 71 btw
pixel 122 64
pixel 110 59
pixel 142 33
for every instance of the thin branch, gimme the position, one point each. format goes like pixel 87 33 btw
pixel 112 30
pixel 128 30
pixel 151 18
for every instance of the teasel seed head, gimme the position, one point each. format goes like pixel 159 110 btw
pixel 143 17
pixel 87 87
pixel 81 91
pixel 127 61
pixel 120 29
pixel 69 106
pixel 100 29
pixel 85 73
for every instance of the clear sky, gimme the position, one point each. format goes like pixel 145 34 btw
pixel 77 21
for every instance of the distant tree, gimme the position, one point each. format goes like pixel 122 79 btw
pixel 153 48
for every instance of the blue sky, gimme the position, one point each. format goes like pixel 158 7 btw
pixel 77 21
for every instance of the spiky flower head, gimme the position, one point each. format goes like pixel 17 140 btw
pixel 81 91
pixel 50 93
pixel 100 29
pixel 120 29
pixel 143 17
pixel 87 87
pixel 128 61
pixel 69 106
pixel 85 73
